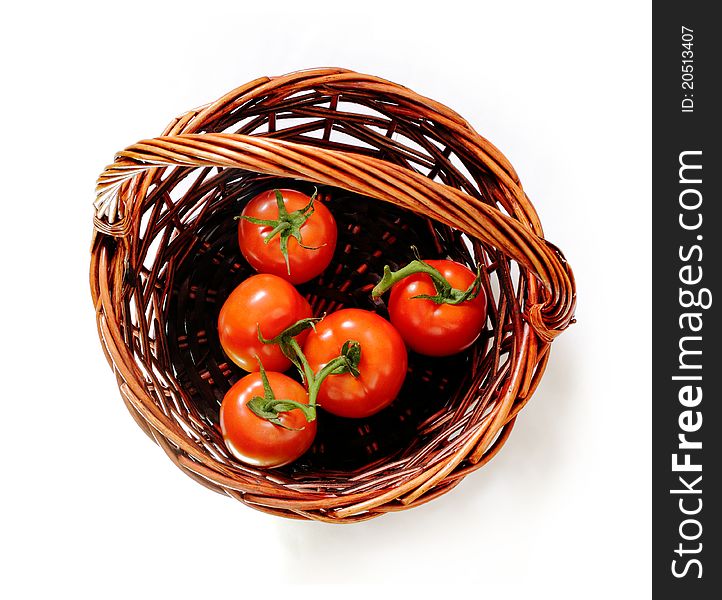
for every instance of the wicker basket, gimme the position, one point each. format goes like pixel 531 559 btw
pixel 397 170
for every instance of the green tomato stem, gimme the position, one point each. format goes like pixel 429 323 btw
pixel 445 292
pixel 282 226
pixel 346 362
pixel 306 372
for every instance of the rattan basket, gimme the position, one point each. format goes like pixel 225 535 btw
pixel 397 169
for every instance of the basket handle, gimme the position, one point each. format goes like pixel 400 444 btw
pixel 369 176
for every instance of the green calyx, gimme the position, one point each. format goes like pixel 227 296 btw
pixel 269 407
pixel 287 225
pixel 445 292
pixel 348 361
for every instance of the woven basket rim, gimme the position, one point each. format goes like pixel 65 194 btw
pixel 511 226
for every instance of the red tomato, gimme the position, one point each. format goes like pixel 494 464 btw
pixel 256 441
pixel 318 232
pixel 264 300
pixel 382 366
pixel 437 329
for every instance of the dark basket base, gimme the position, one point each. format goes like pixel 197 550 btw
pixel 371 234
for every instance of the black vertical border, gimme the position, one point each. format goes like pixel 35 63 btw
pixel 673 132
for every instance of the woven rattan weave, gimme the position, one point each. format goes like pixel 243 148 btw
pixel 397 170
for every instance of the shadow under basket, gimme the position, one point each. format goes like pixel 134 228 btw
pixel 397 170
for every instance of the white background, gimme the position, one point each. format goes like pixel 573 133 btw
pixel 91 508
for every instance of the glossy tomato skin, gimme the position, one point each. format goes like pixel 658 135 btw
pixel 256 441
pixel 382 366
pixel 318 232
pixel 269 301
pixel 437 329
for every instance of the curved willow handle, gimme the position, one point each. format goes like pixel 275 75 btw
pixel 357 173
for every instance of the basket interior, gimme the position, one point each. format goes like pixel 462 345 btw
pixel 371 235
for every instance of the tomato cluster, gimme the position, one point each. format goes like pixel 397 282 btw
pixel 352 363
